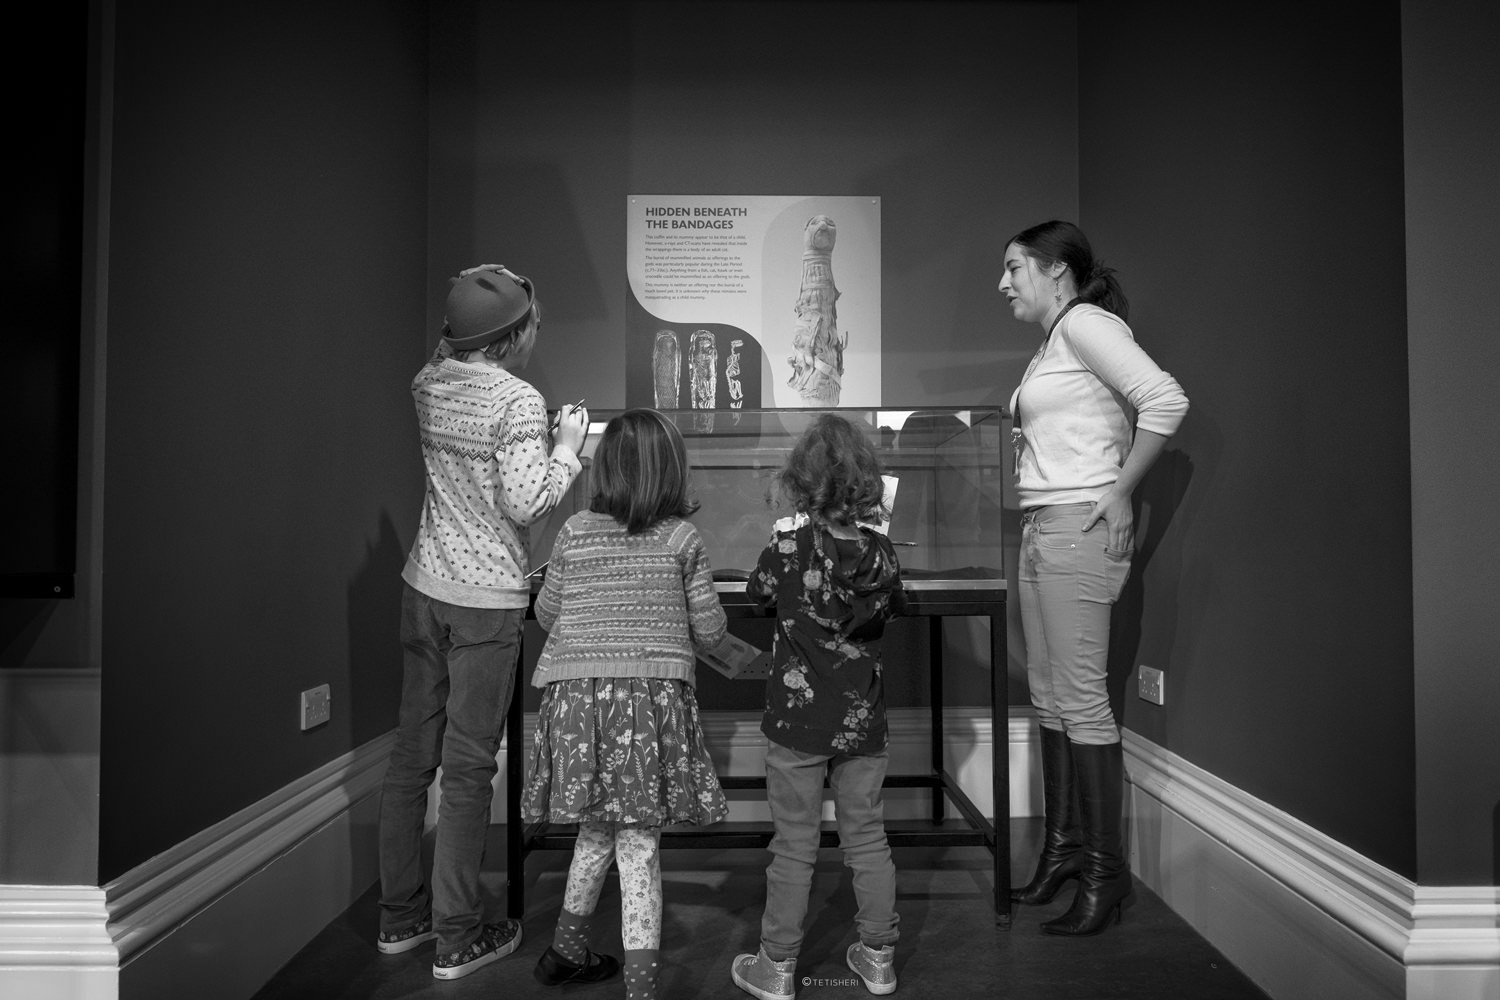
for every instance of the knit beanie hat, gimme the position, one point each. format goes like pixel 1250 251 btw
pixel 484 306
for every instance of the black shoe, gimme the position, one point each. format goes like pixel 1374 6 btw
pixel 553 970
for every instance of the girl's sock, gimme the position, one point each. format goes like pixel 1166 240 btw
pixel 592 852
pixel 571 939
pixel 642 973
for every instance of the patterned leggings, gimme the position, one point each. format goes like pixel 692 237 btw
pixel 636 848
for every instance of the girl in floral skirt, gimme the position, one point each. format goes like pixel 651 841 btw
pixel 619 750
pixel 833 583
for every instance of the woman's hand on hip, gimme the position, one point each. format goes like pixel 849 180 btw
pixel 1119 521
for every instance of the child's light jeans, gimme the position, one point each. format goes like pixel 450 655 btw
pixel 794 791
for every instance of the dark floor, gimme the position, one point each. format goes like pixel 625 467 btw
pixel 950 947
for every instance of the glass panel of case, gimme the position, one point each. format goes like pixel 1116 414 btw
pixel 945 519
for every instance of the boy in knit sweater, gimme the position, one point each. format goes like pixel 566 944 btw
pixel 491 473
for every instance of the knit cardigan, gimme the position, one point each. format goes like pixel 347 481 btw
pixel 491 474
pixel 620 605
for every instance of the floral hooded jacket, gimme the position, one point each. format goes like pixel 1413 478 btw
pixel 832 597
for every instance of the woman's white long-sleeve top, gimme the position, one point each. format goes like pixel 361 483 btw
pixel 1079 406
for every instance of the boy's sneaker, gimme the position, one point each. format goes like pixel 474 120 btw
pixel 395 942
pixel 495 941
pixel 760 977
pixel 876 966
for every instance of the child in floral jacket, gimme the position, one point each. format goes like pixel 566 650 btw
pixel 833 583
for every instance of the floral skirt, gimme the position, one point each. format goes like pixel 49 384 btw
pixel 621 750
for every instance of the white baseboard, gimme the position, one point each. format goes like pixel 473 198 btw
pixel 174 925
pixel 53 944
pixel 1305 917
pixel 1302 915
pixel 285 866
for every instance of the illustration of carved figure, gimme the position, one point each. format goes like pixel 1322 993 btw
pixel 732 375
pixel 703 370
pixel 666 366
pixel 817 358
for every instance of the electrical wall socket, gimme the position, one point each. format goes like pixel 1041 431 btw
pixel 317 706
pixel 1153 685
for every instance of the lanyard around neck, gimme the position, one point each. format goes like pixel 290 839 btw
pixel 1037 357
pixel 1058 318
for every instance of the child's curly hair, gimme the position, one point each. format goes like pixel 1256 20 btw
pixel 833 473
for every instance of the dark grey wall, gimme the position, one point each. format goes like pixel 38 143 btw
pixel 274 215
pixel 1249 186
pixel 278 201
pixel 1452 100
pixel 928 107
pixel 266 302
pixel 541 130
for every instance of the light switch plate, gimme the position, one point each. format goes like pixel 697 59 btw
pixel 1152 685
pixel 317 706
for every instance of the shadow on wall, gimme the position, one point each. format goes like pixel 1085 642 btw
pixel 374 611
pixel 1156 503
pixel 21 623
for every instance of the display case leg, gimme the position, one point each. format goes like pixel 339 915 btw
pixel 515 837
pixel 1000 763
pixel 935 730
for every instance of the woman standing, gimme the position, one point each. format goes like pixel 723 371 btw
pixel 1091 415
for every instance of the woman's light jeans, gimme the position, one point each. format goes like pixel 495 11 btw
pixel 1069 580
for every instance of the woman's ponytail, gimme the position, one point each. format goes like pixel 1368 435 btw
pixel 1102 288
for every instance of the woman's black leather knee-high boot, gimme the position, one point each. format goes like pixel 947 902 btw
pixel 1105 882
pixel 1062 844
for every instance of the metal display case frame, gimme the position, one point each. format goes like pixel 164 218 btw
pixel 933 597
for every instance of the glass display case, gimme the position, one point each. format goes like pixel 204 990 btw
pixel 944 467
pixel 944 470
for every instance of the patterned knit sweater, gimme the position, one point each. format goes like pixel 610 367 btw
pixel 489 477
pixel 622 605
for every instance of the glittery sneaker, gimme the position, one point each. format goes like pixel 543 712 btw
pixel 396 942
pixel 495 941
pixel 760 977
pixel 876 966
